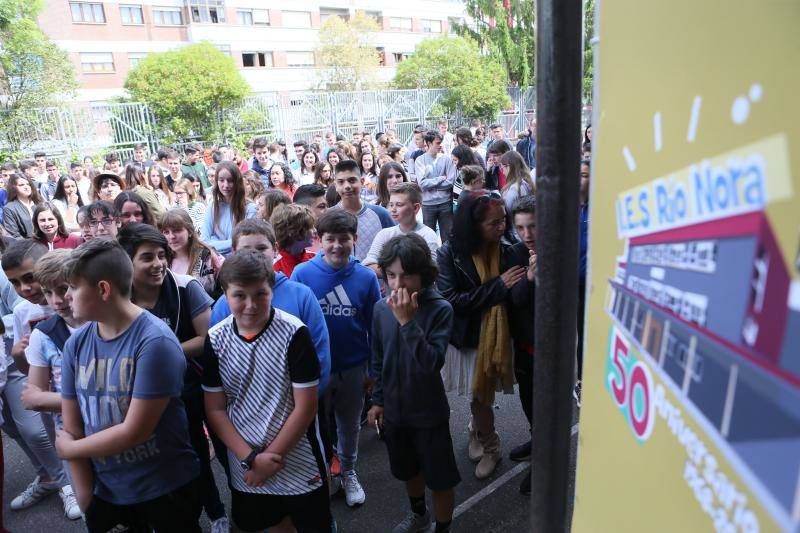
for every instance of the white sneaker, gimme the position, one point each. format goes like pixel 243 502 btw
pixel 353 493
pixel 35 492
pixel 220 525
pixel 71 508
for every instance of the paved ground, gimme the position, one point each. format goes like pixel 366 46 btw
pixel 494 505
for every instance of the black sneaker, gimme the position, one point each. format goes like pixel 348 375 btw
pixel 525 486
pixel 576 392
pixel 521 452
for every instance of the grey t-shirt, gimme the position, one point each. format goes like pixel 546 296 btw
pixel 104 376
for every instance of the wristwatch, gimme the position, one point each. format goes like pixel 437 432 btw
pixel 247 462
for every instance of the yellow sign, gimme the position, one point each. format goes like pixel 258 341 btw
pixel 691 384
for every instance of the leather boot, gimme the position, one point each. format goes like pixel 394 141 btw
pixel 491 455
pixel 474 448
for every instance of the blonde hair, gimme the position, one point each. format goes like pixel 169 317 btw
pixel 50 270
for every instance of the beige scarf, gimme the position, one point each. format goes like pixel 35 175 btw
pixel 493 365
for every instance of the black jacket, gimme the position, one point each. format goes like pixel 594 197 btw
pixel 521 299
pixel 406 362
pixel 460 284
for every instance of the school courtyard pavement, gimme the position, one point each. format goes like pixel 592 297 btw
pixel 493 505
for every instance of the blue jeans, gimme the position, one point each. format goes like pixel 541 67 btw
pixel 441 213
pixel 344 397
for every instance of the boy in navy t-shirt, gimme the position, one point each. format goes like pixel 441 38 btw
pixel 347 292
pixel 121 385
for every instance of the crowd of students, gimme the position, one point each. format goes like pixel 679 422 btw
pixel 262 310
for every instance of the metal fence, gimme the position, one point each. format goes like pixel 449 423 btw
pixel 77 129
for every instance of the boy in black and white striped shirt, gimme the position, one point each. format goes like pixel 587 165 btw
pixel 260 380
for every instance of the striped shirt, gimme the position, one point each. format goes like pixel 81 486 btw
pixel 257 376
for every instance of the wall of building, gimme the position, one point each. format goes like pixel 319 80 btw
pixel 127 42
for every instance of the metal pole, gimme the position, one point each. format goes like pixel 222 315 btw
pixel 558 62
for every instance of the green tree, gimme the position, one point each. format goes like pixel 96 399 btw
pixel 190 90
pixel 474 81
pixel 347 54
pixel 588 51
pixel 34 72
pixel 505 29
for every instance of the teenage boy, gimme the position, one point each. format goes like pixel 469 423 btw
pixel 404 203
pixel 82 181
pixel 313 197
pixel 289 296
pixel 260 381
pixel 103 220
pixel 29 428
pixel 371 218
pixel 174 173
pixel 194 166
pixel 347 292
pixel 261 162
pixel 300 147
pixel 40 160
pixel 294 230
pixel 48 188
pixel 140 160
pixel 436 175
pixel 182 303
pixel 410 333
pixel 125 431
pixel 42 392
pixel 114 164
pixel 521 298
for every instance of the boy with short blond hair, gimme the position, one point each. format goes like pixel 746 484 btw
pixel 405 201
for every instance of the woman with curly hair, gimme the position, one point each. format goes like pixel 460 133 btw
pixel 282 179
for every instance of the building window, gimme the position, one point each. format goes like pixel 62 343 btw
pixel 250 17
pixel 167 16
pixel 377 16
pixel 131 14
pixel 399 57
pixel 297 19
pixel 257 59
pixel 97 62
pixel 327 12
pixel 88 12
pixel 212 11
pixel 244 18
pixel 224 48
pixel 431 26
pixel 397 23
pixel 135 57
pixel 300 59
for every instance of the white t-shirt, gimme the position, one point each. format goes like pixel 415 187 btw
pixel 26 315
pixel 386 234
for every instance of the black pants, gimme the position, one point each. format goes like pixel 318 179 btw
pixel 523 371
pixel 196 414
pixel 178 510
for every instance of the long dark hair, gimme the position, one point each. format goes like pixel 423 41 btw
pixel 130 196
pixel 238 203
pixel 61 194
pixel 465 237
pixel 41 208
pixel 180 219
pixel 464 136
pixel 382 190
pixel 464 155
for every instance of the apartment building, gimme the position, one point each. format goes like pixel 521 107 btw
pixel 271 41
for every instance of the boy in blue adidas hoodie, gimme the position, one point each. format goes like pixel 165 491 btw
pixel 347 292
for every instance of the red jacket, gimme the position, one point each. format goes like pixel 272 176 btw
pixel 73 240
pixel 285 263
